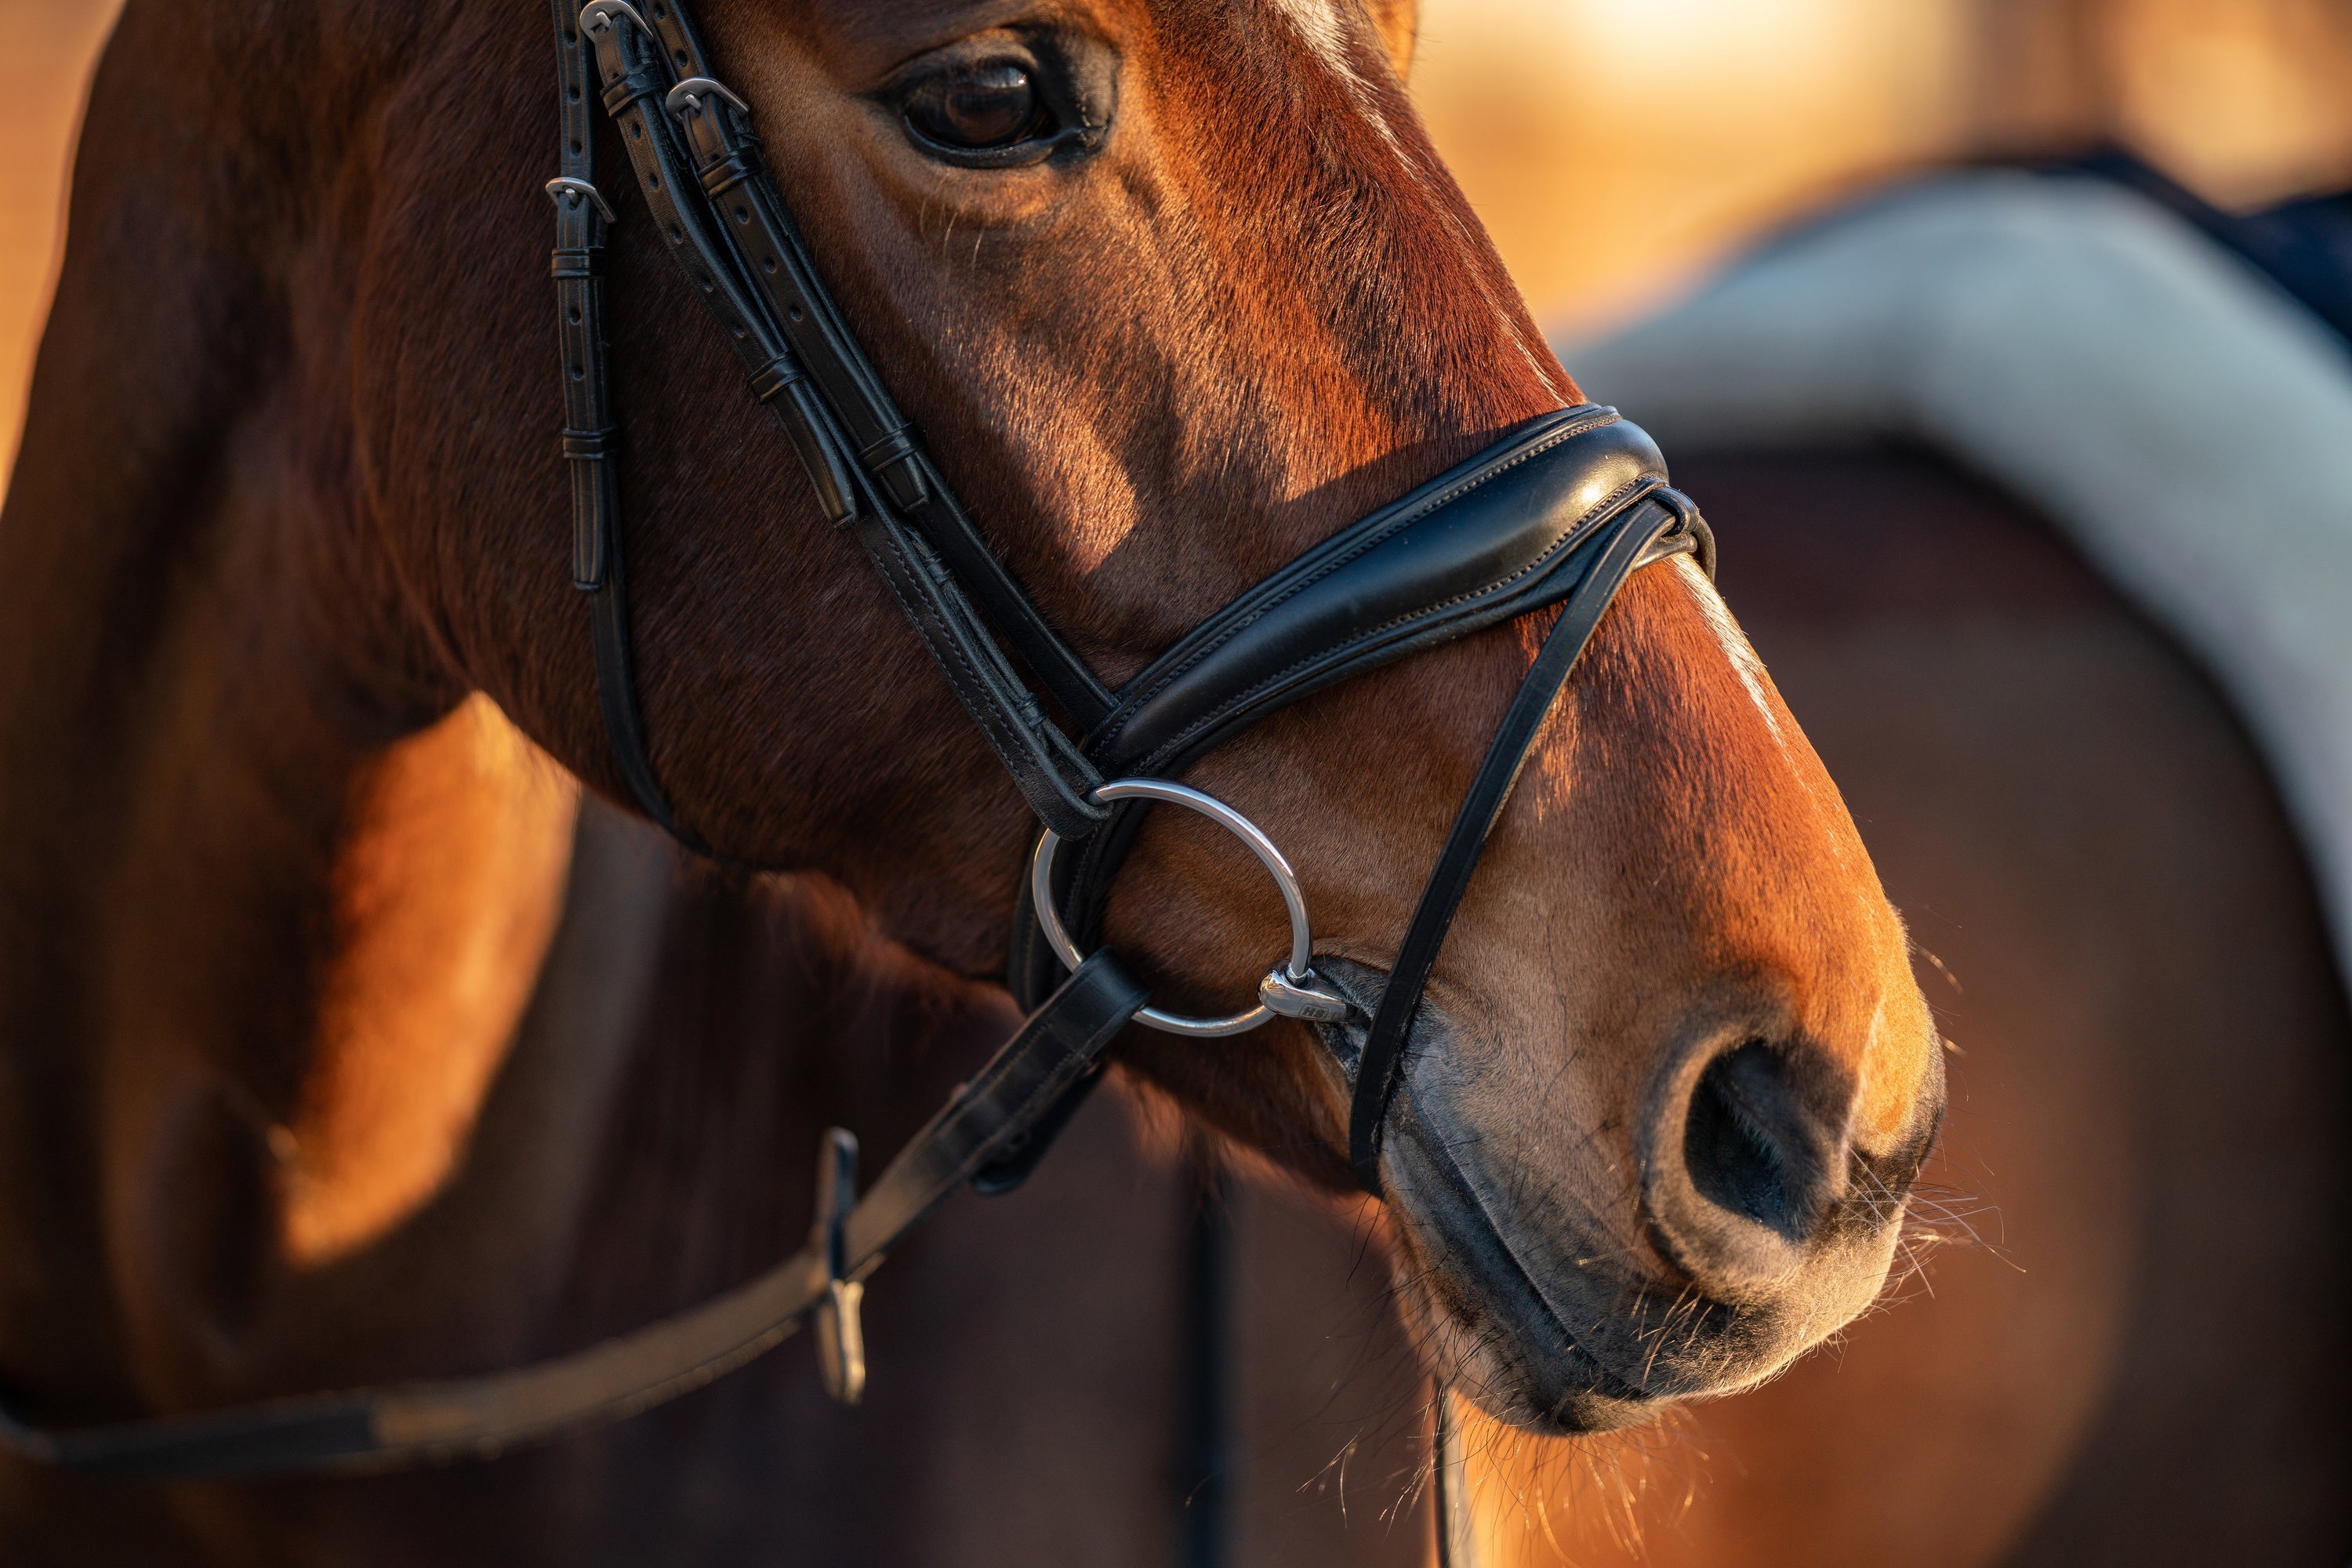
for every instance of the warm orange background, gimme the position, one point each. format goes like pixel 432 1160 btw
pixel 1615 146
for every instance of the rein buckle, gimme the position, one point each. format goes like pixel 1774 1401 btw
pixel 840 1323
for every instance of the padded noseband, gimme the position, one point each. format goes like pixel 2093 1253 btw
pixel 1487 542
pixel 1563 509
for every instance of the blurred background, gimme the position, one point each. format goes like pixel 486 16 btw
pixel 1616 147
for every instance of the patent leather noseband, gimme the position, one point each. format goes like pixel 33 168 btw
pixel 1561 511
pixel 1558 512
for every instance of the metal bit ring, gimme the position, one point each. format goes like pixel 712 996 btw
pixel 1290 988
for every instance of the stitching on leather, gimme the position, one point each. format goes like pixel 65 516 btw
pixel 1445 497
pixel 1338 651
pixel 1016 746
pixel 1074 1058
pixel 1616 500
pixel 1063 1073
pixel 992 725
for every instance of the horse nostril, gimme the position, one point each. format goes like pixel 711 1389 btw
pixel 1750 1166
pixel 1747 1147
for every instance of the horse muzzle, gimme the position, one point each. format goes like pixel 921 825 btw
pixel 1560 1302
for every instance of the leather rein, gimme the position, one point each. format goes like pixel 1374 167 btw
pixel 1561 511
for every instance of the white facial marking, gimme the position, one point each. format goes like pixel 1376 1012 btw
pixel 1733 641
pixel 1317 22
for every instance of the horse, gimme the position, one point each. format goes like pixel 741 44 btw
pixel 348 1040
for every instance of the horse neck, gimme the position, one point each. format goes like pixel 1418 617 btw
pixel 240 900
pixel 302 1017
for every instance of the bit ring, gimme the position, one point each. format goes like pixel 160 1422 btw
pixel 1293 983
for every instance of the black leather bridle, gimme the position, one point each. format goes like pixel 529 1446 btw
pixel 1561 512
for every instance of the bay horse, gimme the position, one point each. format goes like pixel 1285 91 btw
pixel 344 1043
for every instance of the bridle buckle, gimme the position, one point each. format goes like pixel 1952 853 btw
pixel 689 95
pixel 564 189
pixel 599 14
pixel 840 1321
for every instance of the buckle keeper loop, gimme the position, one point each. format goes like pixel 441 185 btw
pixel 590 445
pixel 774 376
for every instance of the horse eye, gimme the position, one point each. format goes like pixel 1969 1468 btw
pixel 977 108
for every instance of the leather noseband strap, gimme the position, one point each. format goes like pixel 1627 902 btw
pixel 1659 520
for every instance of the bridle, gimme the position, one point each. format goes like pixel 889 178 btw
pixel 1561 512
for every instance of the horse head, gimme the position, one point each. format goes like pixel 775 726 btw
pixel 1173 291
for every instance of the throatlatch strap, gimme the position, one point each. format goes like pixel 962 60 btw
pixel 374 1429
pixel 1628 546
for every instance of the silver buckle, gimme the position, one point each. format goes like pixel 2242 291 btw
pixel 840 1323
pixel 689 94
pixel 599 14
pixel 565 186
